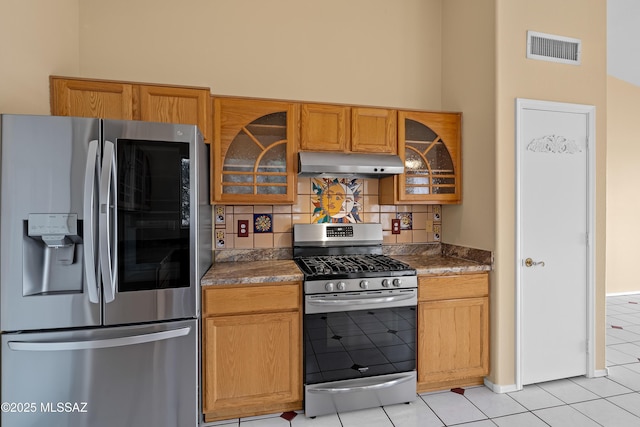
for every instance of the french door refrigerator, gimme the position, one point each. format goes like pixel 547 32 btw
pixel 105 232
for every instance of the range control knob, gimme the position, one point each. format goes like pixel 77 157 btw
pixel 364 284
pixel 342 286
pixel 397 282
pixel 386 283
pixel 329 287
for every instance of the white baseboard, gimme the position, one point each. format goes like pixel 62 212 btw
pixel 497 388
pixel 601 373
pixel 509 388
pixel 618 294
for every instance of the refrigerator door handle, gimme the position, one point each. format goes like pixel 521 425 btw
pixel 92 274
pixel 108 259
pixel 97 344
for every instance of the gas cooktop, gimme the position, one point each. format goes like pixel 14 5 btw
pixel 347 258
pixel 328 267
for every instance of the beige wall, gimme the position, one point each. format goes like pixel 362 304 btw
pixel 623 176
pixel 37 38
pixel 468 85
pixel 518 77
pixel 373 52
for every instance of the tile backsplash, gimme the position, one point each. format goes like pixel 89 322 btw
pixel 335 200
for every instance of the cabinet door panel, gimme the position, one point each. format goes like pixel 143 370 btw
pixel 187 106
pixel 429 144
pixel 253 160
pixel 324 127
pixel 251 361
pixel 453 337
pixel 86 98
pixel 373 130
pixel 250 299
pixel 453 287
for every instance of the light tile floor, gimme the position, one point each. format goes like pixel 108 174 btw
pixel 582 402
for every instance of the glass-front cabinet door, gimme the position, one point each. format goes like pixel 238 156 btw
pixel 253 160
pixel 429 144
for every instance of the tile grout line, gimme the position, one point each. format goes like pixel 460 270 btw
pixel 432 410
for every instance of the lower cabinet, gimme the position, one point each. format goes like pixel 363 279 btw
pixel 453 331
pixel 252 342
pixel 252 348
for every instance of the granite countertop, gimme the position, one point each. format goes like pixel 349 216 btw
pixel 243 272
pixel 441 264
pixel 285 270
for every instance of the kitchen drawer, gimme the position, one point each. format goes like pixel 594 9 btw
pixel 432 288
pixel 251 299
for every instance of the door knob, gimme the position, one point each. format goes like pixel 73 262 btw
pixel 531 263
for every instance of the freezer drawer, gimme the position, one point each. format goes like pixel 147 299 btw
pixel 127 376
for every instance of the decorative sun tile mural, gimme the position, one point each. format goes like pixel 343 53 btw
pixel 336 200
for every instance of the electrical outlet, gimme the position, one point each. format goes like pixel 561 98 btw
pixel 395 226
pixel 243 228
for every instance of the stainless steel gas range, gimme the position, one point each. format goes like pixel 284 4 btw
pixel 359 319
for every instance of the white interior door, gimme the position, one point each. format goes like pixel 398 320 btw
pixel 553 239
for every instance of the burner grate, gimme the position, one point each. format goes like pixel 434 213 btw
pixel 345 264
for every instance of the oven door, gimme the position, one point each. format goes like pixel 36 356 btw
pixel 359 334
pixel 360 350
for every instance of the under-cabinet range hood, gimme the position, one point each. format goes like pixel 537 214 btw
pixel 349 164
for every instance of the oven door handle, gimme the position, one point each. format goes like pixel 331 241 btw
pixel 360 300
pixel 373 385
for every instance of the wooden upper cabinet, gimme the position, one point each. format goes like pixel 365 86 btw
pixel 373 130
pixel 324 127
pixel 253 158
pixel 429 145
pixel 88 98
pixel 168 104
pixel 107 99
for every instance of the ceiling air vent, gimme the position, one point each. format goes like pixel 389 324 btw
pixel 548 47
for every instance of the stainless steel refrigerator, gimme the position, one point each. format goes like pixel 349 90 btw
pixel 105 232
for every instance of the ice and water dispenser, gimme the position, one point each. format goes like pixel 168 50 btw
pixel 52 254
